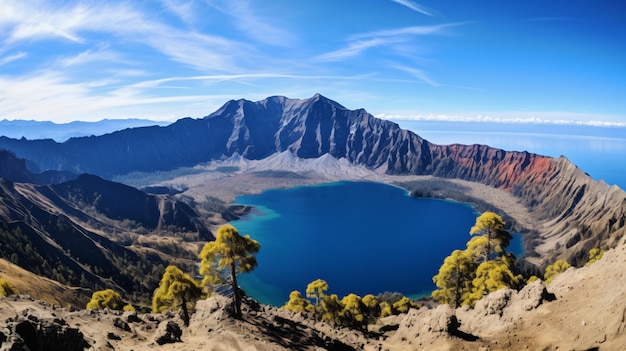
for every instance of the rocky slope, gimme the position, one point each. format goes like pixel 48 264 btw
pixel 94 233
pixel 574 312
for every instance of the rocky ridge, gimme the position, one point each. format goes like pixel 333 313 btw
pixel 573 312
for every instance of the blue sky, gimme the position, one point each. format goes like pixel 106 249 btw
pixel 524 61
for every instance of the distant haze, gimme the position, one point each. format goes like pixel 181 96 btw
pixel 63 131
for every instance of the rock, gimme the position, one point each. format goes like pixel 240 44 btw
pixel 119 323
pixel 532 296
pixel 494 303
pixel 44 334
pixel 131 317
pixel 113 336
pixel 168 332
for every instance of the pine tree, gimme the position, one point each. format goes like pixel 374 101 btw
pixel 230 251
pixel 491 226
pixel 455 278
pixel 353 313
pixel 177 290
pixel 316 290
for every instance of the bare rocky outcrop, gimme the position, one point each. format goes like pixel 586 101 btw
pixel 582 309
pixel 28 332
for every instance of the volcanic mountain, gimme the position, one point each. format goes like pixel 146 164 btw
pixel 573 213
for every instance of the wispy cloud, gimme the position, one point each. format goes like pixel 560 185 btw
pixel 198 50
pixel 353 49
pixel 419 74
pixel 415 7
pixel 249 22
pixel 409 31
pixel 359 43
pixel 182 9
pixel 10 58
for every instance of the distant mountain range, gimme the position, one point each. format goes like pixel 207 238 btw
pixel 581 213
pixel 63 131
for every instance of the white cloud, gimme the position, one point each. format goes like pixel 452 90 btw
pixel 555 118
pixel 182 9
pixel 200 51
pixel 358 43
pixel 10 58
pixel 419 74
pixel 411 31
pixel 353 49
pixel 415 7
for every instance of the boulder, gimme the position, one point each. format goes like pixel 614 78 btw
pixel 168 332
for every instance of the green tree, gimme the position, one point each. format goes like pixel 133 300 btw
pixel 491 276
pixel 555 269
pixel 372 308
pixel 404 304
pixel 6 288
pixel 491 226
pixel 229 251
pixel 331 308
pixel 297 303
pixel 594 255
pixel 455 277
pixel 353 313
pixel 316 290
pixel 105 299
pixel 385 309
pixel 177 291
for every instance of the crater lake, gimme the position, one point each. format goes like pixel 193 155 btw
pixel 360 237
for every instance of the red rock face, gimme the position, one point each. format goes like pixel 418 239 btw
pixel 495 167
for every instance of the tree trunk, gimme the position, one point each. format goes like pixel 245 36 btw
pixel 236 295
pixel 185 313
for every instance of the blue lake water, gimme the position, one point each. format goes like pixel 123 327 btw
pixel 360 237
pixel 370 238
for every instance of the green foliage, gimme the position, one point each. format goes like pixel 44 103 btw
pixel 230 251
pixel 331 308
pixel 354 312
pixel 177 291
pixel 6 288
pixel 491 276
pixel 385 309
pixel 129 308
pixel 105 299
pixel 350 311
pixel 297 303
pixel 595 254
pixel 372 308
pixel 316 290
pixel 455 278
pixel 491 226
pixel 404 304
pixel 553 270
pixel 532 279
pixel 483 267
